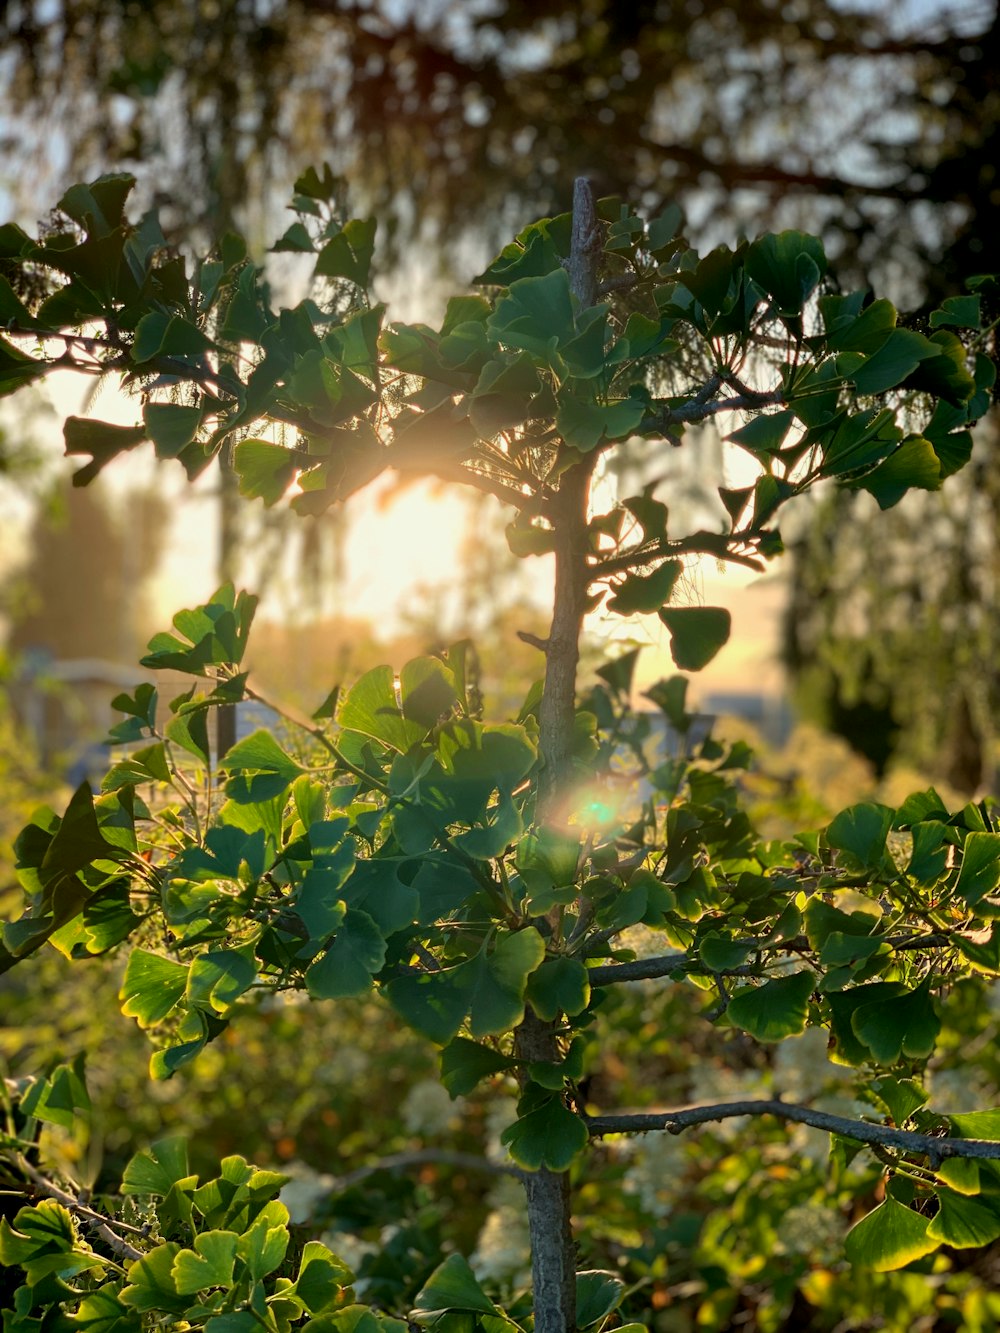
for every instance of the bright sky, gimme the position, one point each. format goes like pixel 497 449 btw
pixel 397 549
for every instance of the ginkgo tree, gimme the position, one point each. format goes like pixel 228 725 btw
pixel 481 876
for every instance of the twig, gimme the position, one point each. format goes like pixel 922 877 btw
pixel 674 1122
pixel 102 1226
pixel 700 411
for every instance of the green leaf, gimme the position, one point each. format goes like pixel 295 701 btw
pixel 321 1277
pixel 171 336
pixel 889 1238
pixel 559 985
pixel 526 538
pixel 906 1025
pixel 217 979
pixel 980 872
pixel 640 593
pixel 720 953
pixel 696 633
pixel 535 314
pixel 496 981
pixel 151 1287
pixel 788 266
pixel 466 1063
pixel 584 424
pixel 977 1125
pixel 101 440
pixel 427 689
pixel 265 470
pixel 961 1174
pixel 859 441
pixel 959 311
pixel 822 920
pixel 902 1096
pixel 209 1264
pixel 847 1049
pixel 963 1223
pixel 264 1246
pixel 434 1004
pixel 776 1010
pixel 61 1099
pixel 860 832
pixel 296 239
pixel 42 1229
pixel 915 464
pixel 982 950
pixel 260 769
pixel 549 1135
pixel 896 359
pixel 764 434
pixel 347 967
pixel 452 1286
pixel 712 280
pixel 370 709
pixel 946 375
pixel 535 252
pixel 597 1295
pixel 101 1311
pixel 98 207
pixel 490 839
pixel 349 253
pixel 157 1169
pixel 152 987
pixel 930 852
pixel 171 426
pixel 664 228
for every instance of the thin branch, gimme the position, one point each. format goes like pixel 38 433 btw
pixel 703 543
pixel 533 640
pixel 665 965
pixel 674 1122
pixel 102 1225
pixel 640 969
pixel 695 411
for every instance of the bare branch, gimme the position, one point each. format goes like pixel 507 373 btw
pixel 695 411
pixel 102 1225
pixel 641 969
pixel 527 637
pixel 674 1122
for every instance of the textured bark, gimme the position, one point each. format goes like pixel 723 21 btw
pixel 553 1259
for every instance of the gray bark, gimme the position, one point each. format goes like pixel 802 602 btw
pixel 553 1259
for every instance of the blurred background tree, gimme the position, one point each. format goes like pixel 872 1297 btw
pixel 874 122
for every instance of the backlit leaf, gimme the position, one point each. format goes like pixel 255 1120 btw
pixel 889 1238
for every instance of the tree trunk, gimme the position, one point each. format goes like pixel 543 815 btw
pixel 553 1258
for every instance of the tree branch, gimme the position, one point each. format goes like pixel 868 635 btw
pixel 102 1225
pixel 641 969
pixel 695 411
pixel 674 1122
pixel 706 543
pixel 665 965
